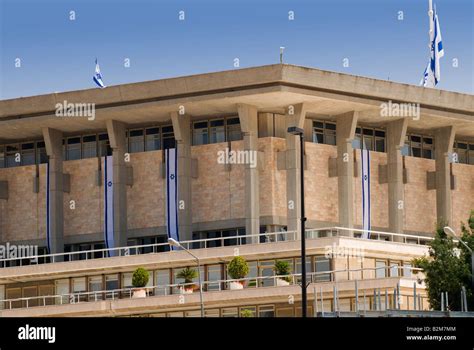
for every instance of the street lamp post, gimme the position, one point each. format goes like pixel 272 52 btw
pixel 175 243
pixel 298 131
pixel 450 232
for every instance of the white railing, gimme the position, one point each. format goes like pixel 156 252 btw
pixel 374 235
pixel 207 286
pixel 271 237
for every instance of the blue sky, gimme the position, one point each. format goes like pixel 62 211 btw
pixel 58 54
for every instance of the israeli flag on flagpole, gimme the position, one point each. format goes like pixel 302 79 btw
pixel 432 74
pixel 109 205
pixel 171 159
pixel 97 76
pixel 365 160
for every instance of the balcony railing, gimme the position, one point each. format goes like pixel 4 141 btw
pixel 207 286
pixel 272 237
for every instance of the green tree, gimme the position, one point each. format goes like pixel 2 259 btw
pixel 444 270
pixel 468 237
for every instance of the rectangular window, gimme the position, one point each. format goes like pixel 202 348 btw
pixel 200 133
pixel 266 311
pixel 381 269
pixel 407 270
pixel 461 150
pixel 152 139
pixel 394 269
pixel 111 285
pixel 2 296
pixel 217 131
pixel 330 134
pixel 266 269
pixel 28 153
pixel 415 143
pixel 427 147
pixel 78 288
pixel 13 156
pixel 213 274
pixel 89 146
pixel 2 156
pixel 41 156
pixel 379 141
pixel 62 288
pixel 136 141
pixel 322 264
pixel 168 137
pixel 104 146
pixel 230 312
pixel 95 285
pixel 73 148
pixel 162 278
pixel 233 129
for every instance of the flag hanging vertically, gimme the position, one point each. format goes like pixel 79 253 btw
pixel 48 211
pixel 432 74
pixel 97 76
pixel 109 204
pixel 171 161
pixel 365 160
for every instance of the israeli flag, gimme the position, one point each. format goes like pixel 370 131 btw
pixel 432 74
pixel 97 76
pixel 365 160
pixel 109 204
pixel 48 210
pixel 171 161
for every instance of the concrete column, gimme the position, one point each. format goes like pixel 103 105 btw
pixel 294 117
pixel 249 127
pixel 396 132
pixel 54 149
pixel 116 131
pixel 444 139
pixel 182 135
pixel 345 132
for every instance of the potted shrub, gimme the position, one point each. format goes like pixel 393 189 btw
pixel 139 281
pixel 237 269
pixel 246 313
pixel 282 269
pixel 188 275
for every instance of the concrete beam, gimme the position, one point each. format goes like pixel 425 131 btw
pixel 53 140
pixel 444 139
pixel 116 131
pixel 295 116
pixel 345 132
pixel 396 131
pixel 249 127
pixel 182 135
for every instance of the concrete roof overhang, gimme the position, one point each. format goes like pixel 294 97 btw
pixel 270 88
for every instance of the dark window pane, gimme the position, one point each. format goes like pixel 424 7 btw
pixel 379 133
pixel 318 125
pixel 200 125
pixel 152 131
pixel 233 121
pixel 415 138
pixel 368 132
pixel 330 126
pixel 219 122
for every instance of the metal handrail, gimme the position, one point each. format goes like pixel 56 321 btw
pixel 271 237
pixel 125 251
pixel 99 295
